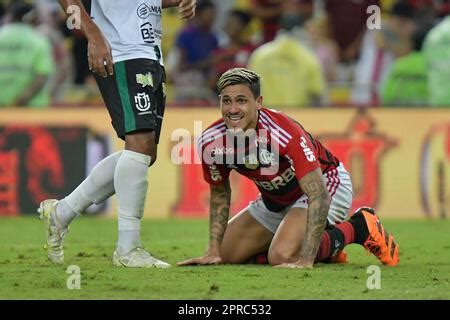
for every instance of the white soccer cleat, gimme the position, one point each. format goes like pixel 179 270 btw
pixel 55 232
pixel 138 258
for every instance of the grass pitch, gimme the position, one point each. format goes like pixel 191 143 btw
pixel 25 273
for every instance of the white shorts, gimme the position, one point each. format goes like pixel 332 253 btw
pixel 339 186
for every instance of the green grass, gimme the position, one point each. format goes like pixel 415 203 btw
pixel 25 273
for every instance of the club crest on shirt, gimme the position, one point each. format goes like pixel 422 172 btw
pixel 266 157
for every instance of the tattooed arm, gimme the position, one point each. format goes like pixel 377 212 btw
pixel 218 220
pixel 218 217
pixel 318 205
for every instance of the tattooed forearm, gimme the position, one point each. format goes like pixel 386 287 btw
pixel 219 213
pixel 319 204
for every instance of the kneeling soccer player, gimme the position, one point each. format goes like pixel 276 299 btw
pixel 299 218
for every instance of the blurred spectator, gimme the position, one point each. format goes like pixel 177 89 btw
pixel 222 10
pixel 406 84
pixel 269 13
pixel 396 34
pixel 2 12
pixel 190 62
pixel 347 21
pixel 325 48
pixel 237 50
pixel 378 51
pixel 291 72
pixel 437 55
pixel 25 60
pixel 425 11
pixel 47 23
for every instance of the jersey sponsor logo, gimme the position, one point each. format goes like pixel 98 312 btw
pixel 145 79
pixel 147 33
pixel 262 139
pixel 215 173
pixel 221 151
pixel 142 102
pixel 145 10
pixel 278 182
pixel 309 154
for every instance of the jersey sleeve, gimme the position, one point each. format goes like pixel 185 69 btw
pixel 213 173
pixel 301 152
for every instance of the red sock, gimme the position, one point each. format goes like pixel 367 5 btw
pixel 260 258
pixel 324 249
pixel 334 239
pixel 348 231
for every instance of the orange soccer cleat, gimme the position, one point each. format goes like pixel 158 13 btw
pixel 340 257
pixel 379 242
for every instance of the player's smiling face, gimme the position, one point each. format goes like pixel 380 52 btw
pixel 239 107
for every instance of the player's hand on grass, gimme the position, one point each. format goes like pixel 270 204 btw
pixel 99 55
pixel 205 260
pixel 186 9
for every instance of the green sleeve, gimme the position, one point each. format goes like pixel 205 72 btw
pixel 44 58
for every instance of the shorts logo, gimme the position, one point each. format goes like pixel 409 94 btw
pixel 145 80
pixel 142 101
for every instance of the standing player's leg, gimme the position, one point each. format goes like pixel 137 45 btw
pixel 57 215
pixel 141 86
pixel 98 186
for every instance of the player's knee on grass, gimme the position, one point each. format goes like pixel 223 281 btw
pixel 142 142
pixel 278 256
pixel 232 256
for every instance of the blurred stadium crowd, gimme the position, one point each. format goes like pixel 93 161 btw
pixel 309 53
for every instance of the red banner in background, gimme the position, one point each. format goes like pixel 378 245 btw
pixel 9 183
pixel 361 148
pixel 38 163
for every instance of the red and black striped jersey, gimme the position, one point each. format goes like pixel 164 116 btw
pixel 276 155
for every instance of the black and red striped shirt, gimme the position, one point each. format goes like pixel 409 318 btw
pixel 276 155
